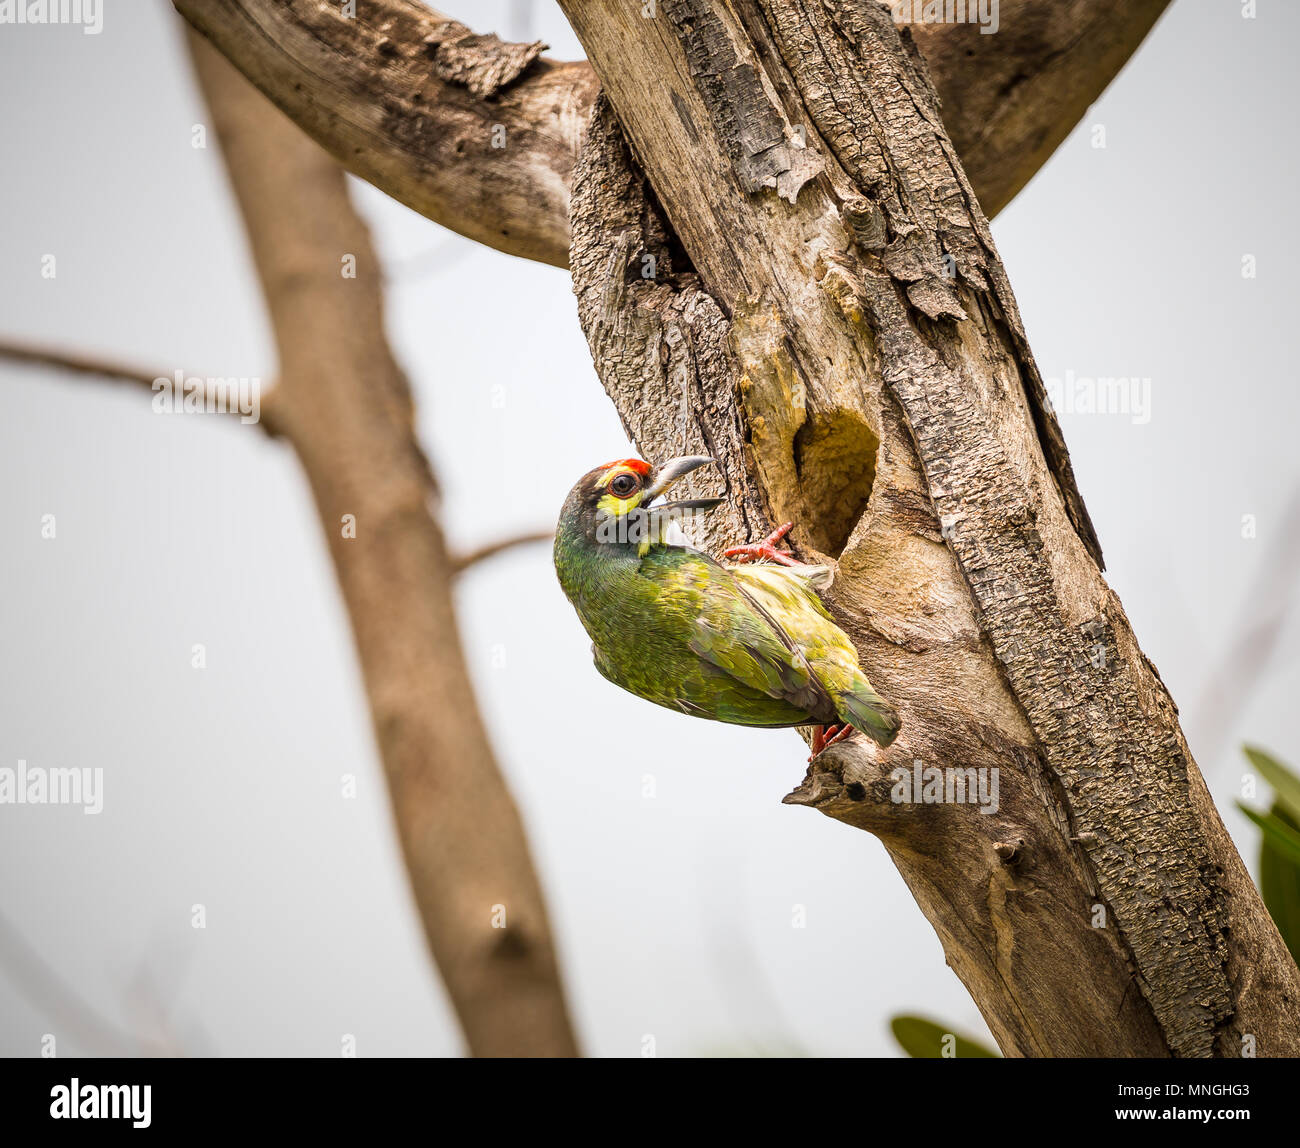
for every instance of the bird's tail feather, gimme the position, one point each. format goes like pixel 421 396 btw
pixel 866 710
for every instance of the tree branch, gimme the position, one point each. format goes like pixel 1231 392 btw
pixel 492 549
pixel 213 395
pixel 413 103
pixel 477 135
pixel 51 993
pixel 77 364
pixel 1009 100
pixel 829 318
pixel 349 416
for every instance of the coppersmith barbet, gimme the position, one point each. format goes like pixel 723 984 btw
pixel 749 644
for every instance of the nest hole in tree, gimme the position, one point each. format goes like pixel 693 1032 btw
pixel 835 452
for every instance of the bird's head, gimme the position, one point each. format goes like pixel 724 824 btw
pixel 616 503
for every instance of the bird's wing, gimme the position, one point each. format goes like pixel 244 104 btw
pixel 789 592
pixel 788 595
pixel 742 648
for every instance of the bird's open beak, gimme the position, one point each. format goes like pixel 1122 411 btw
pixel 669 473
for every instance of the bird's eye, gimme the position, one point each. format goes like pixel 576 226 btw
pixel 625 485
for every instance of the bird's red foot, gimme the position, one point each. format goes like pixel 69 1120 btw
pixel 766 550
pixel 825 736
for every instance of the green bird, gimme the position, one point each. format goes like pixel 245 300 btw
pixel 751 644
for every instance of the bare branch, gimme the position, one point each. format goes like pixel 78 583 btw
pixel 49 992
pixel 477 135
pixel 482 137
pixel 77 364
pixel 213 397
pixel 465 561
pixel 1257 632
pixel 1009 100
pixel 352 424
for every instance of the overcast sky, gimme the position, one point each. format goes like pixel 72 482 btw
pixel 673 914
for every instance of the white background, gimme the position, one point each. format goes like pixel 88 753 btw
pixel 673 914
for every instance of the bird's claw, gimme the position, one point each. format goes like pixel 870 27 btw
pixel 825 736
pixel 766 549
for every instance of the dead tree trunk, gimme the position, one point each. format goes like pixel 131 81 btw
pixel 803 285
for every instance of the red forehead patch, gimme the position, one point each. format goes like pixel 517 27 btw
pixel 636 464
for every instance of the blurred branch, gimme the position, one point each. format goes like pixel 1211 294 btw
pixel 465 561
pixel 118 372
pixel 77 364
pixel 1260 623
pixel 352 423
pixel 1009 100
pixel 32 974
pixel 482 136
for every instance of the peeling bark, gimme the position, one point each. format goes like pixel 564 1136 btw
pixel 844 340
pixel 409 100
pixel 472 132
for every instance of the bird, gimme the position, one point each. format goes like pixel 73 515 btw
pixel 749 642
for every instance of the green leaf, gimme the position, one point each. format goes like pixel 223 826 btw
pixel 1283 780
pixel 1279 884
pixel 1276 833
pixel 924 1039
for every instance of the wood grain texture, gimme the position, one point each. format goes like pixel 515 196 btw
pixel 469 131
pixel 839 331
pixel 408 100
pixel 346 408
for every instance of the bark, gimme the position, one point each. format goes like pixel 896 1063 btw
pixel 409 100
pixel 832 322
pixel 346 408
pixel 412 102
